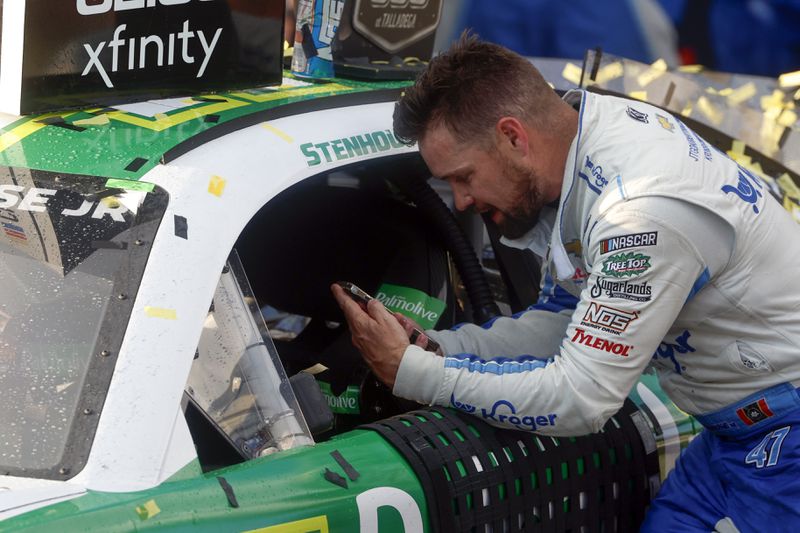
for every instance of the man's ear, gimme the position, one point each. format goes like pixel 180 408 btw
pixel 512 135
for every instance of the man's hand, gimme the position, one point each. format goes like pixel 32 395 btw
pixel 420 339
pixel 376 333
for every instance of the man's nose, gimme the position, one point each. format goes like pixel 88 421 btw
pixel 462 199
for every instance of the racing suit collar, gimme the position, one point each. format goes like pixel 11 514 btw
pixel 564 269
pixel 549 230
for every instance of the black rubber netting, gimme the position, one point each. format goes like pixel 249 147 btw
pixel 475 475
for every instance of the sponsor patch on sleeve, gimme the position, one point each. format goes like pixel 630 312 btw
pixel 598 343
pixel 608 319
pixel 633 240
pixel 626 265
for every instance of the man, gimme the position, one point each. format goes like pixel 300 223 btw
pixel 661 249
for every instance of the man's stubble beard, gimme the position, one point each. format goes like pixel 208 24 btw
pixel 524 213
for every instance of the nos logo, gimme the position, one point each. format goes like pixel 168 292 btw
pixel 609 318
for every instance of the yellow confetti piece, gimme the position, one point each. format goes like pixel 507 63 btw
pixel 656 70
pixel 742 94
pixel 110 202
pixel 639 95
pixel 148 510
pixel 160 312
pixel 687 109
pixel 161 116
pixel 691 69
pixel 789 79
pixel 216 186
pixel 99 120
pixel 742 159
pixel 737 147
pixel 610 72
pixel 280 133
pixel 318 524
pixel 571 73
pixel 787 118
pixel 772 102
pixel 709 110
pixel 789 187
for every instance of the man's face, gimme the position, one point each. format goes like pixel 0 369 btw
pixel 486 180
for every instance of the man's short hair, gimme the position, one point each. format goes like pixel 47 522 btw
pixel 468 89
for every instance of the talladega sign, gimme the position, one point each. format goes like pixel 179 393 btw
pixel 74 53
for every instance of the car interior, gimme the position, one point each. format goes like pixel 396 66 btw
pixel 370 223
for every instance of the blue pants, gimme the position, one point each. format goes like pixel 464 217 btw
pixel 745 472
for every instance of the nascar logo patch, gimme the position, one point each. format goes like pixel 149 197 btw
pixel 633 240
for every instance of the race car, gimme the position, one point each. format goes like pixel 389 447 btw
pixel 171 357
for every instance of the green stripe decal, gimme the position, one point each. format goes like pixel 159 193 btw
pixel 129 185
pixel 103 142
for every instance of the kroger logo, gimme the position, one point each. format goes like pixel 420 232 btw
pixel 504 412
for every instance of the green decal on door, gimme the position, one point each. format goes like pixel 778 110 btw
pixel 423 309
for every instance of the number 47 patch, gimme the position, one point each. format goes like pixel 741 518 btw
pixel 768 450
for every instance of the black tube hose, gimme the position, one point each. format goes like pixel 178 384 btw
pixel 469 268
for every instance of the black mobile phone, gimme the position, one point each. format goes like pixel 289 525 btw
pixel 356 293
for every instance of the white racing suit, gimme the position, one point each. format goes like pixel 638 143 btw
pixel 672 255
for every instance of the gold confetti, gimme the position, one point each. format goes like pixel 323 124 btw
pixel 787 118
pixel 691 69
pixel 742 94
pixel 148 510
pixel 610 72
pixel 99 120
pixel 110 202
pixel 280 133
pixel 656 70
pixel 789 79
pixel 789 186
pixel 317 524
pixel 571 73
pixel 639 95
pixel 160 312
pixel 773 102
pixel 216 186
pixel 709 110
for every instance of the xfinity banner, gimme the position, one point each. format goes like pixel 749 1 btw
pixel 69 53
